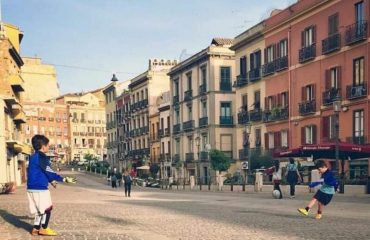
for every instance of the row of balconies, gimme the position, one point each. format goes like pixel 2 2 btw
pixel 92 146
pixel 90 134
pixel 139 152
pixel 189 157
pixel 166 157
pixel 164 132
pixel 188 95
pixel 137 132
pixel 139 105
pixel 203 122
pixel 111 125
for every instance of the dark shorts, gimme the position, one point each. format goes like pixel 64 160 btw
pixel 323 198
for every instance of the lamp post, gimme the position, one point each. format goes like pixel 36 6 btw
pixel 337 105
pixel 248 129
pixel 197 143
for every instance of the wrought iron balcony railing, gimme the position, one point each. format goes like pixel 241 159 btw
pixel 307 107
pixel 331 44
pixel 188 126
pixel 255 115
pixel 276 114
pixel 243 154
pixel 203 156
pixel 176 128
pixel 268 68
pixel 226 120
pixel 203 122
pixel 241 80
pixel 189 157
pixel 243 117
pixel 356 91
pixel 202 89
pixel 356 32
pixel 176 99
pixel 254 74
pixel 329 96
pixel 188 95
pixel 225 86
pixel 281 63
pixel 307 53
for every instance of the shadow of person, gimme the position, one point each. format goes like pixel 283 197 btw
pixel 16 221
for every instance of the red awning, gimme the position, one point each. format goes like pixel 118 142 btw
pixel 327 150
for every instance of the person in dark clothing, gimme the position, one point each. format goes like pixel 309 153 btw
pixel 292 175
pixel 114 180
pixel 128 180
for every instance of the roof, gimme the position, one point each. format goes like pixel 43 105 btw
pixel 222 41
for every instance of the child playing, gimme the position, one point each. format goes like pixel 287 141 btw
pixel 276 176
pixel 40 175
pixel 324 195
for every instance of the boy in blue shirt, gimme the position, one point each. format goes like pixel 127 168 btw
pixel 40 175
pixel 324 195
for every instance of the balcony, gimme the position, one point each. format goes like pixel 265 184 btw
pixel 307 107
pixel 356 91
pixel 167 131
pixel 281 63
pixel 176 99
pixel 203 122
pixel 254 74
pixel 176 158
pixel 203 156
pixel 225 86
pixel 160 133
pixel 255 115
pixel 243 117
pixel 329 96
pixel 188 126
pixel 361 140
pixel 189 157
pixel 331 44
pixel 176 128
pixel 307 53
pixel 241 80
pixel 188 95
pixel 226 120
pixel 144 103
pixel 356 32
pixel 202 89
pixel 243 154
pixel 268 68
pixel 276 114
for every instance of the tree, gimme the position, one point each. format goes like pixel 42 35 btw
pixel 219 161
pixel 90 157
pixel 154 168
pixel 261 160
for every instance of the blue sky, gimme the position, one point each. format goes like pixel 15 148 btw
pixel 121 35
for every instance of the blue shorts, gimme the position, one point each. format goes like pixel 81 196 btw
pixel 323 198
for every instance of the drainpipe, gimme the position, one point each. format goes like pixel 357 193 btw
pixel 289 90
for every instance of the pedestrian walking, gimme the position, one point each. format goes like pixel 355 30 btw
pixel 128 180
pixel 40 174
pixel 292 175
pixel 324 195
pixel 114 180
pixel 276 177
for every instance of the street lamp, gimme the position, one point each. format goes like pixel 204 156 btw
pixel 248 129
pixel 197 143
pixel 337 105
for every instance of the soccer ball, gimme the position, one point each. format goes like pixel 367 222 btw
pixel 276 194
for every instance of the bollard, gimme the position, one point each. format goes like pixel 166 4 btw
pixel 78 169
pixel 232 186
pixel 73 169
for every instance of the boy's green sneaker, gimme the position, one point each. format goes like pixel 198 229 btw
pixel 303 211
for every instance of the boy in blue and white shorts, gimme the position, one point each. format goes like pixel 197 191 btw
pixel 324 195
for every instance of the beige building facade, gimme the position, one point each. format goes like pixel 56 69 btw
pixel 14 151
pixel 37 78
pixel 145 89
pixel 202 109
pixel 164 106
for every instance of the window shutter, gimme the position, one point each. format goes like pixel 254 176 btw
pixel 277 51
pixel 287 47
pixel 303 136
pixel 258 58
pixel 287 140
pixel 286 99
pixel 267 141
pixel 313 91
pixel 277 139
pixel 241 65
pixel 279 102
pixel 302 39
pixel 267 103
pixel 274 101
pixel 314 134
pixel 265 55
pixel 303 94
pixel 314 34
pixel 339 75
pixel 325 127
pixel 251 56
pixel 327 79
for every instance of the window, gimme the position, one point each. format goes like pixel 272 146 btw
pixel 269 54
pixel 308 36
pixel 243 66
pixel 177 115
pixel 328 129
pixel 359 12
pixel 333 78
pixel 190 146
pixel 204 141
pixel 333 24
pixel 358 71
pixel 203 76
pixel 284 99
pixel 255 60
pixel 257 134
pixel 245 102
pixel 284 138
pixel 168 122
pixel 190 112
pixel 162 123
pixel 358 124
pixel 309 134
pixel 257 100
pixel 189 80
pixel 177 146
pixel 271 140
pixel 176 93
pixel 308 93
pixel 204 108
pixel 225 79
pixel 225 109
pixel 283 48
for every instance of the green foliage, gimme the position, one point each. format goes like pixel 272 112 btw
pixel 90 157
pixel 154 169
pixel 219 161
pixel 261 159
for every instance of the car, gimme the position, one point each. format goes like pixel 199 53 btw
pixel 82 163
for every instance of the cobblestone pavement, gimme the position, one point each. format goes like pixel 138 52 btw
pixel 92 210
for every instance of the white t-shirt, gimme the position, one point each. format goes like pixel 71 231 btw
pixel 276 175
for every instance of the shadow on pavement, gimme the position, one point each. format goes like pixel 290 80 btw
pixel 16 221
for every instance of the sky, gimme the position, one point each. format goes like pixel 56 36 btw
pixel 96 38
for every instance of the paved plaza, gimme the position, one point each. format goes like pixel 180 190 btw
pixel 92 210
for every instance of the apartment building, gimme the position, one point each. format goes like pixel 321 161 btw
pixel 202 108
pixel 14 151
pixel 145 89
pixel 123 129
pixel 164 106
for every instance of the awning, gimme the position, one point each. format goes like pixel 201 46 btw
pixel 22 148
pixel 327 150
